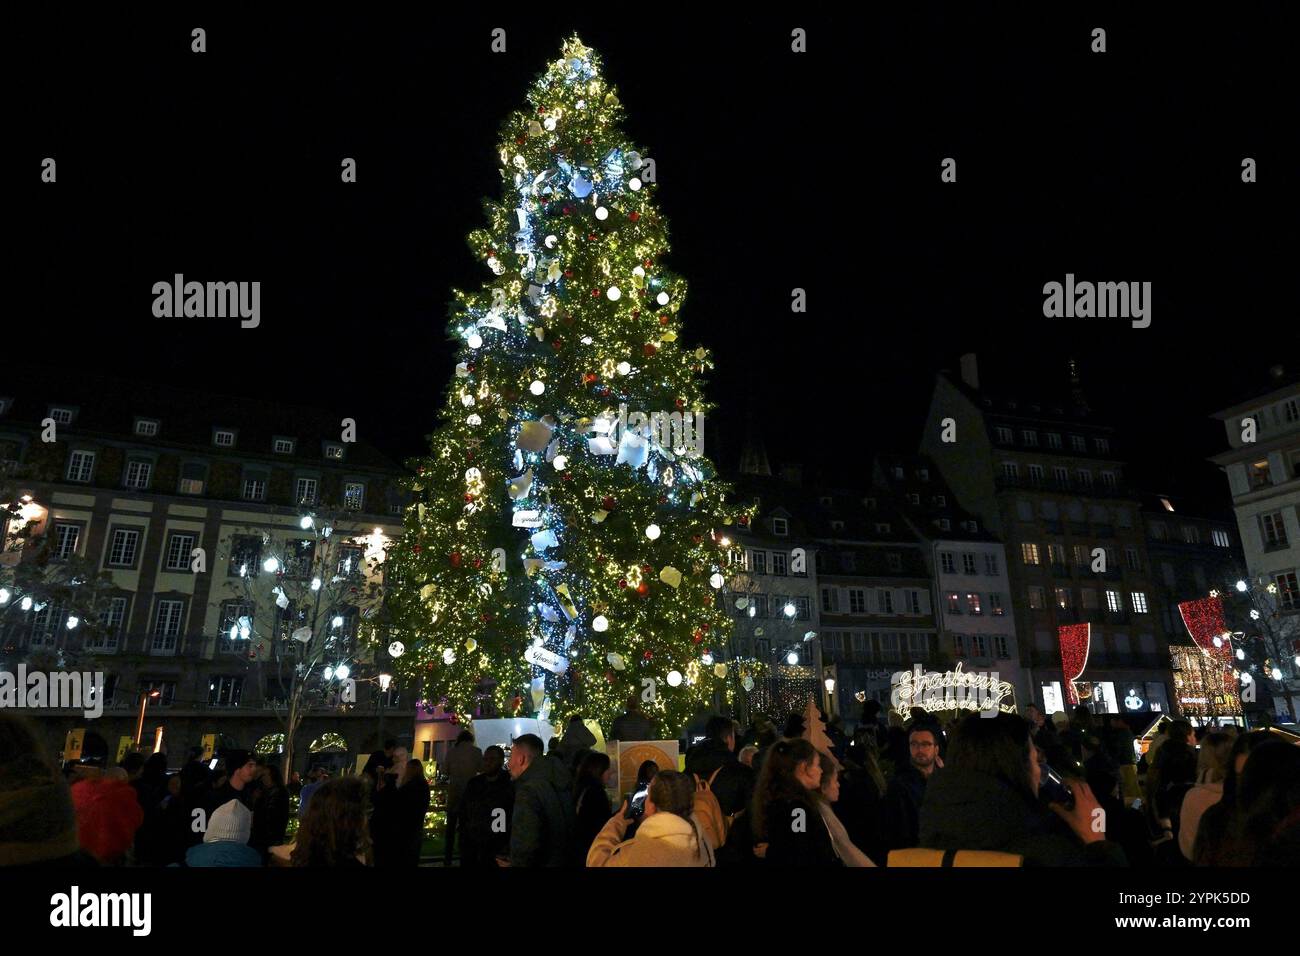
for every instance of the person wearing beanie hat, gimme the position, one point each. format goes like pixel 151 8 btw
pixel 225 843
pixel 108 814
pixel 38 826
pixel 241 770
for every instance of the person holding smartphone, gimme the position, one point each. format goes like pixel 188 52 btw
pixel 993 795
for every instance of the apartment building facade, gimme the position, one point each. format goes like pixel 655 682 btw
pixel 138 482
pixel 1047 479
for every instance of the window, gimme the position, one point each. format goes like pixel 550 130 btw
pixel 179 547
pixel 895 561
pixel 1001 648
pixel 1288 591
pixel 1024 509
pixel 778 562
pixel 780 527
pixel 245 555
pixel 1063 598
pixel 830 600
pixel 944 525
pixel 223 438
pixel 923 474
pixel 1273 530
pixel 146 427
pixel 298 556
pixel 1078 443
pixel 1221 538
pixel 833 642
pixel 1056 553
pixel 1291 410
pixel 1081 556
pixel 111 620
pixel 958 645
pixel 254 489
pixel 351 560
pixel 991 564
pixel 1191 534
pixel 65 540
pixel 914 602
pixel 1053 440
pixel 1061 476
pixel 4 404
pixel 1029 553
pixel 1132 558
pixel 80 466
pixel 232 637
pixel 121 551
pixel 973 603
pixel 1030 438
pixel 283 446
pixel 758 562
pixel 913 499
pixel 166 692
pixel 1004 435
pixel 1036 474
pixel 953 600
pixel 883 528
pixel 304 492
pixel 941 501
pixel 1159 532
pixel 889 647
pixel 167 626
pixel 1139 601
pixel 333 451
pixel 995 605
pixel 802 608
pixel 45 625
pixel 61 416
pixel 1085 478
pixel 861 646
pixel 837 525
pixel 225 691
pixel 138 474
pixel 1102 445
pixel 1037 598
pixel 193 477
pixel 354 495
pixel 857 601
pixel 1108 480
pixel 1088 599
pixel 848 562
pixel 918 646
pixel 898 472
pixel 1010 470
pixel 947 562
pixel 1259 476
pixel 1114 602
pixel 1123 518
pixel 968 563
pixel 979 644
pixel 885 600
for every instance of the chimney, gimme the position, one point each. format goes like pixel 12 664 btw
pixel 792 474
pixel 970 370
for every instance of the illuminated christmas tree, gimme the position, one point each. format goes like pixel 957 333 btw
pixel 567 537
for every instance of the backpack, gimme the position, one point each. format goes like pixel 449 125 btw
pixel 708 813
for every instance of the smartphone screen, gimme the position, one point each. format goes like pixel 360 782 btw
pixel 212 764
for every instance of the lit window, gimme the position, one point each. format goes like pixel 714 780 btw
pixel 1139 602
pixel 283 446
pixel 146 427
pixel 1029 552
pixel 223 438
pixel 80 466
pixel 1114 602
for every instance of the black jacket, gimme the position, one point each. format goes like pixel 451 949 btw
pixel 480 843
pixel 630 726
pixel 900 809
pixel 541 827
pixel 795 839
pixel 734 784
pixel 592 812
pixel 966 810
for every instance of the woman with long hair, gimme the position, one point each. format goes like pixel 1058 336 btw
pixel 591 803
pixel 668 836
pixel 845 849
pixel 1211 845
pixel 1211 767
pixel 334 833
pixel 785 812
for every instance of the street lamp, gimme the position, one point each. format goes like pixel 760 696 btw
pixel 384 681
pixel 145 697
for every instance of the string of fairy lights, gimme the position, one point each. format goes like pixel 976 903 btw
pixel 566 545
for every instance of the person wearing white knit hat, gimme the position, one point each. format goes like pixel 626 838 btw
pixel 225 841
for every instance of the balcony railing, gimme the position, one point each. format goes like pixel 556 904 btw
pixel 1005 482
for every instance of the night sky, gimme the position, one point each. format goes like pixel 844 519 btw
pixel 775 170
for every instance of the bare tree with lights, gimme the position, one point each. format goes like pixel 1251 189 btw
pixel 304 605
pixel 1266 645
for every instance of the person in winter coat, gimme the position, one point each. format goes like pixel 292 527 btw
pixel 632 724
pixel 151 790
pixel 785 815
pixel 845 849
pixel 38 824
pixel 462 762
pixel 1211 767
pixel 986 798
pixel 575 743
pixel 591 807
pixel 401 837
pixel 733 784
pixel 270 811
pixel 225 843
pixel 668 834
pixel 900 810
pixel 485 812
pixel 541 826
pixel 334 832
pixel 108 815
pixel 1212 845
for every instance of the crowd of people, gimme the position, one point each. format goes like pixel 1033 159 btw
pixel 1070 791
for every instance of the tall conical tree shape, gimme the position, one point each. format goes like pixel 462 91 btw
pixel 814 730
pixel 561 553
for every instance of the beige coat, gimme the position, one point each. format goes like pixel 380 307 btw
pixel 663 839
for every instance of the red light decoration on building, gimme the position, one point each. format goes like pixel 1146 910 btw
pixel 1203 619
pixel 1208 690
pixel 1075 639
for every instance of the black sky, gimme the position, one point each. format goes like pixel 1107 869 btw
pixel 776 170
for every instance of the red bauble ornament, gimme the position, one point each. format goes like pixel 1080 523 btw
pixel 591 236
pixel 567 210
pixel 468 496
pixel 681 403
pixel 647 263
pixel 608 503
pixel 634 216
pixel 416 548
pixel 566 476
pixel 622 582
pixel 663 320
pixel 588 378
pixel 595 293
pixel 557 345
pixel 519 141
pixel 455 559
pixel 697 636
pixel 478 562
pixel 646 569
pixel 648 655
pixel 609 677
pixel 606 392
pixel 649 349
pixel 587 140
pixel 744 519
pixel 643 588
pixel 568 273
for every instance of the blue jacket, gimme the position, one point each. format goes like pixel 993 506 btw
pixel 222 853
